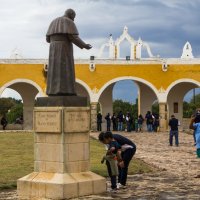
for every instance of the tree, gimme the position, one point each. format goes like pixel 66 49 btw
pixel 15 112
pixel 119 105
pixel 196 100
pixel 12 108
pixel 189 107
pixel 155 108
pixel 5 105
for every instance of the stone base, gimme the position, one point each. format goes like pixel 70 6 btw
pixel 61 155
pixel 64 101
pixel 43 185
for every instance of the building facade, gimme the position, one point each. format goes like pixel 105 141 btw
pixel 164 80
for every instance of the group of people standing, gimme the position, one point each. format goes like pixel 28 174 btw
pixel 127 122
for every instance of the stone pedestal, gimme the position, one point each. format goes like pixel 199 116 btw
pixel 61 163
pixel 64 101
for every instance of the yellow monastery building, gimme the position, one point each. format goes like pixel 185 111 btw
pixel 164 80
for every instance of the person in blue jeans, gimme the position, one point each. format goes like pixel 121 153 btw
pixel 120 118
pixel 128 149
pixel 195 125
pixel 128 122
pixel 140 122
pixel 149 121
pixel 108 121
pixel 173 123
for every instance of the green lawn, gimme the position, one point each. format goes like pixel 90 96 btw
pixel 16 158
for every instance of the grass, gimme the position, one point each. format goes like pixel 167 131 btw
pixel 16 159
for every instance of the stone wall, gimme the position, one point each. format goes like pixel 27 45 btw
pixel 13 127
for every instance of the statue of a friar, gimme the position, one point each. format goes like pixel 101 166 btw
pixel 61 34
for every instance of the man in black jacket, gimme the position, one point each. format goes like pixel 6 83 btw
pixel 120 118
pixel 149 121
pixel 173 123
pixel 114 121
pixel 99 121
pixel 108 121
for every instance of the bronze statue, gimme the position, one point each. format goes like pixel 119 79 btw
pixel 61 34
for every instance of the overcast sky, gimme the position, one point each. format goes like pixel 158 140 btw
pixel 165 24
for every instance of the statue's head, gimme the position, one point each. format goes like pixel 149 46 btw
pixel 70 13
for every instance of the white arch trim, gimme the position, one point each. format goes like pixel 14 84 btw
pixel 41 93
pixel 127 78
pixel 88 89
pixel 184 80
pixel 163 96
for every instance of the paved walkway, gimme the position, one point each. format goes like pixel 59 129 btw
pixel 177 175
pixel 155 150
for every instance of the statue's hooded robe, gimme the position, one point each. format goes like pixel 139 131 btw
pixel 61 34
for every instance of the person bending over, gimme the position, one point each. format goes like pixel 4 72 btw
pixel 128 149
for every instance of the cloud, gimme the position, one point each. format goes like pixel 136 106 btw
pixel 125 90
pixel 166 25
pixel 11 93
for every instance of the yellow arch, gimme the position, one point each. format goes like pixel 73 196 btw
pixel 164 95
pixel 184 80
pixel 127 78
pixel 6 85
pixel 85 85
